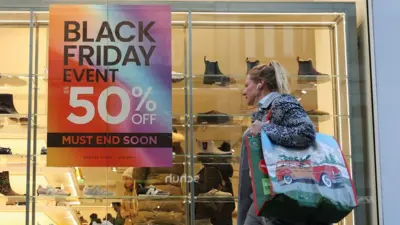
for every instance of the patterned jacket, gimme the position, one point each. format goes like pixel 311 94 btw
pixel 289 126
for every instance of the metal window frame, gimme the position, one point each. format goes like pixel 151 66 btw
pixel 252 7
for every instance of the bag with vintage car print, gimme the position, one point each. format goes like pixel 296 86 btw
pixel 311 184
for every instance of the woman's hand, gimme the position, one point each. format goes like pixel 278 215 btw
pixel 256 127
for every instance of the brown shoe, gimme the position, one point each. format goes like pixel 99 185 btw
pixel 5 187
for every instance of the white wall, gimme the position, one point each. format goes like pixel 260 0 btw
pixel 385 15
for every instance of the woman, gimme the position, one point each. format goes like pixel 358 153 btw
pixel 266 87
pixel 129 207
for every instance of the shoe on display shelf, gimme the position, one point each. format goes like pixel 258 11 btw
pixel 209 148
pixel 306 67
pixel 62 203
pixel 316 112
pixel 5 187
pixel 5 151
pixel 11 201
pixel 213 75
pixel 51 191
pixel 318 115
pixel 216 192
pixel 178 120
pixel 177 77
pixel 96 191
pixel 7 107
pixel 43 151
pixel 12 81
pixel 213 117
pixel 6 190
pixel 251 65
pixel 151 191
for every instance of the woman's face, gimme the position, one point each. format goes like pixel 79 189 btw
pixel 250 91
pixel 128 182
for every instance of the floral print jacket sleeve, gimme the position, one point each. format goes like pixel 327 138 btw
pixel 289 124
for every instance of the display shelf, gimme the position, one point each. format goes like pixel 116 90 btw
pixel 305 86
pixel 323 78
pixel 319 79
pixel 15 15
pixel 54 176
pixel 240 116
pixel 234 158
pixel 303 18
pixel 20 160
pixel 299 82
pixel 44 215
pixel 22 79
pixel 98 201
pixel 245 119
pixel 13 131
pixel 25 77
pixel 90 200
pixel 14 126
pixel 18 146
pixel 8 82
pixel 217 199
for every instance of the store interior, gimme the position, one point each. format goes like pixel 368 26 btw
pixel 210 60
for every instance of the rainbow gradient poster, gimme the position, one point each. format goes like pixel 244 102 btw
pixel 109 86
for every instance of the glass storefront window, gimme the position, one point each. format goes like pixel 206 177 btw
pixel 213 47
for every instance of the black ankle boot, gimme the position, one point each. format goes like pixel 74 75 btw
pixel 7 107
pixel 250 64
pixel 5 151
pixel 7 104
pixel 213 117
pixel 306 67
pixel 213 74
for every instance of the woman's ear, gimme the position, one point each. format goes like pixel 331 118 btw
pixel 260 85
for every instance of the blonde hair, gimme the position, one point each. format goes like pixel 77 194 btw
pixel 131 204
pixel 274 76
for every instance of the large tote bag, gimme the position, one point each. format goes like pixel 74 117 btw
pixel 311 184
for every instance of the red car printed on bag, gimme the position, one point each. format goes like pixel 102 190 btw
pixel 289 171
pixel 263 167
